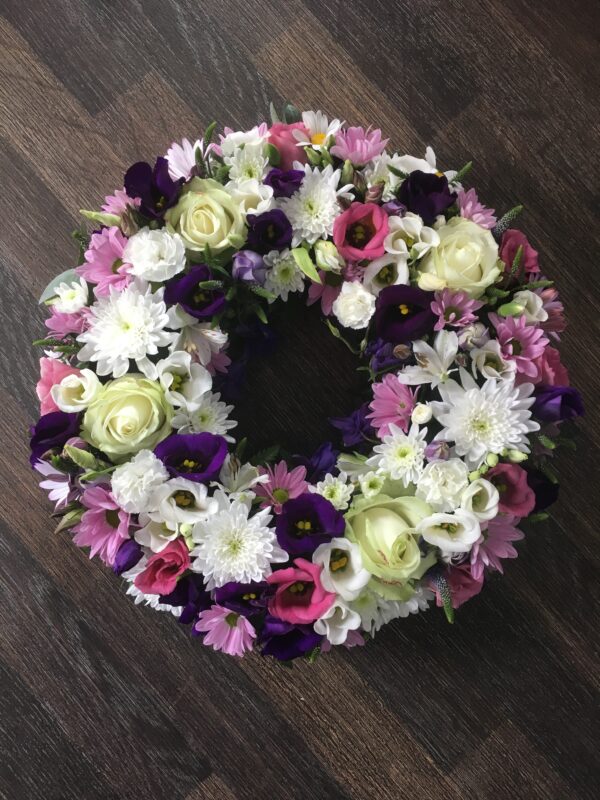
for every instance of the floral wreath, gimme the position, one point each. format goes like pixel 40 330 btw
pixel 453 326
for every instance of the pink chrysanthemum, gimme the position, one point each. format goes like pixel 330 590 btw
pixel 454 309
pixel 520 342
pixel 556 322
pixel 118 202
pixel 104 263
pixel 324 292
pixel 358 145
pixel 104 526
pixel 471 208
pixel 226 631
pixel 495 545
pixel 282 485
pixel 392 404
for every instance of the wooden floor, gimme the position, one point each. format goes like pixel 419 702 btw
pixel 101 700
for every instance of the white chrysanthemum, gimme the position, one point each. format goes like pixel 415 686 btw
pixel 152 600
pixel 70 297
pixel 211 416
pixel 442 484
pixel 371 484
pixel 284 275
pixel 486 419
pixel 375 611
pixel 126 325
pixel 319 128
pixel 335 489
pixel 401 454
pixel 233 547
pixel 354 306
pixel 133 483
pixel 247 163
pixel 313 208
pixel 155 255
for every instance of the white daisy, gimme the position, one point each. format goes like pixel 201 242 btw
pixel 371 484
pixel 320 130
pixel 126 325
pixel 212 416
pixel 486 419
pixel 433 363
pixel 336 490
pixel 232 546
pixel 401 454
pixel 284 275
pixel 247 163
pixel 313 208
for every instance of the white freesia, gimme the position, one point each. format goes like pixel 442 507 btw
pixel 75 392
pixel 343 571
pixel 335 489
pixel 473 335
pixel 443 484
pixel 70 297
pixel 387 270
pixel 353 464
pixel 354 306
pixel 533 306
pixel 238 479
pixel 183 381
pixel 337 622
pixel 284 275
pixel 155 255
pixel 489 361
pixel 210 416
pixel 409 236
pixel 180 501
pixel 401 454
pixel 452 533
pixel 154 535
pixel 481 498
pixel 433 363
pixel 134 482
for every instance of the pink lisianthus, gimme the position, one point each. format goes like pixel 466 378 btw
pixel 52 371
pixel 324 292
pixel 359 232
pixel 358 145
pixel 516 496
pixel 104 526
pixel 551 371
pixel 511 241
pixel 462 585
pixel 392 404
pixel 300 598
pixel 282 136
pixel 61 325
pixel 163 569
pixel 226 631
pixel 454 309
pixel 104 263
pixel 282 485
pixel 470 208
pixel 118 202
pixel 520 342
pixel 494 545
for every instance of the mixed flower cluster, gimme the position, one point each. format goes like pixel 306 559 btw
pixel 451 320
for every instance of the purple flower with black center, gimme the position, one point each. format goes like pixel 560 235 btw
pixel 195 456
pixel 192 296
pixel 243 598
pixel 249 267
pixel 190 594
pixel 127 556
pixel 356 428
pixel 321 462
pixel 306 522
pixel 426 194
pixel 51 432
pixel 284 182
pixel 154 186
pixel 403 314
pixel 269 231
pixel 557 403
pixel 285 641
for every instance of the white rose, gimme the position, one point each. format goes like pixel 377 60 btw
pixel 409 236
pixel 155 255
pixel 421 414
pixel 481 498
pixel 488 361
pixel 75 392
pixel 443 483
pixel 181 501
pixel 337 621
pixel 466 259
pixel 343 571
pixel 133 483
pixel 533 306
pixel 70 297
pixel 387 270
pixel 184 382
pixel 354 306
pixel 452 533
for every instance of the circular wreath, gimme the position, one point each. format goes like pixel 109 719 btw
pixel 453 326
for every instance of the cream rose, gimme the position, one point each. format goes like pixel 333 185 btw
pixel 207 215
pixel 466 258
pixel 130 414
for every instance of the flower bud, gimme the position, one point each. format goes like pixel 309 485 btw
pixel 421 414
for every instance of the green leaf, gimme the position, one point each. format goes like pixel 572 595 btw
pixel 101 216
pixel 462 172
pixel 445 596
pixel 208 133
pixel 536 285
pixel 338 335
pixel 274 115
pixel 313 654
pixel 305 263
pixel 83 241
pixel 546 442
pixel 68 276
pixel 273 155
pixel 83 458
pixel 69 519
pixel 240 448
pixel 541 516
pixel 492 291
pixel 397 172
pixel 265 456
pixel 199 159
pixel 291 113
pixel 260 313
pixel 96 473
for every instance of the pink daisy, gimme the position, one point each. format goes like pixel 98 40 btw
pixel 520 342
pixel 454 309
pixel 56 483
pixel 324 292
pixel 104 526
pixel 282 485
pixel 358 145
pixel 104 263
pixel 471 208
pixel 226 631
pixel 392 404
pixel 494 545
pixel 118 202
pixel 61 325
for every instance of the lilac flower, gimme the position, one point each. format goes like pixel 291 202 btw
pixel 358 146
pixel 154 186
pixel 104 526
pixel 249 267
pixel 454 309
pixel 403 314
pixel 437 451
pixel 226 631
pixel 384 355
pixel 393 208
pixel 119 202
pixel 355 428
pixel 306 522
pixel 284 182
pixel 470 208
pixel 494 545
pixel 269 231
pixel 186 290
pixel 285 641
pixel 51 432
pixel 426 194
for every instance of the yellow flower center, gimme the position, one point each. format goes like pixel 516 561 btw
pixel 317 138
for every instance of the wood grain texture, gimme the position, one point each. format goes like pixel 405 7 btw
pixel 102 700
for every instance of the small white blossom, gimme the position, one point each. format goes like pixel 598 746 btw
pixel 211 415
pixel 335 489
pixel 389 269
pixel 354 306
pixel 337 622
pixel 185 383
pixel 452 533
pixel 533 306
pixel 401 454
pixel 489 361
pixel 343 571
pixel 371 484
pixel 421 414
pixel 154 535
pixel 247 163
pixel 375 611
pixel 433 363
pixel 408 236
pixel 284 275
pixel 253 196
